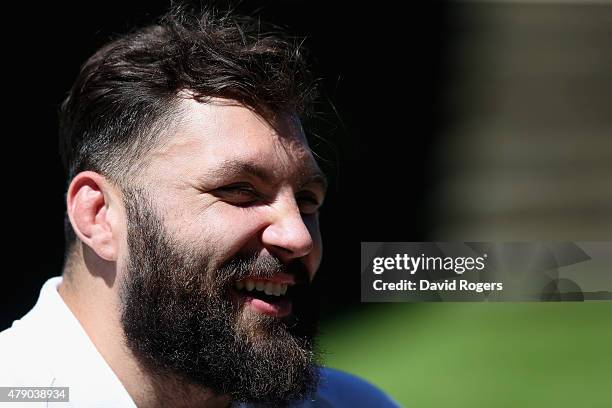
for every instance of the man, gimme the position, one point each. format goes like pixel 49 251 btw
pixel 192 229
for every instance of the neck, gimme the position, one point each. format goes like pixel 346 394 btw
pixel 97 308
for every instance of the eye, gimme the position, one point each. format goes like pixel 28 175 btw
pixel 238 194
pixel 308 203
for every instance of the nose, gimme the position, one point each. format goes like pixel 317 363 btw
pixel 286 234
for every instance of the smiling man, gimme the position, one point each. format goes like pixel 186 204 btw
pixel 192 229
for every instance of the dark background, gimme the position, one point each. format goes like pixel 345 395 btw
pixel 383 70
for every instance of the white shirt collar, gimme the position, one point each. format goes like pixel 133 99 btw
pixel 71 356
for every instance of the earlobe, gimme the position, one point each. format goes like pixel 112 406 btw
pixel 87 203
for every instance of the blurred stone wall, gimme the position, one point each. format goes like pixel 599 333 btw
pixel 527 154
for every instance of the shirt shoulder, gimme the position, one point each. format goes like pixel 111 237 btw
pixel 340 389
pixel 21 361
pixel 49 347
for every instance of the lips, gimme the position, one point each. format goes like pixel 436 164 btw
pixel 266 295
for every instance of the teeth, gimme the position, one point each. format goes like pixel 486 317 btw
pixel 270 288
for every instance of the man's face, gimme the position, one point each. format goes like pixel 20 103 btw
pixel 222 243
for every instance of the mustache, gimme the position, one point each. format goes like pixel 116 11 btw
pixel 261 266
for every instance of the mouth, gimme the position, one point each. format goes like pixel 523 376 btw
pixel 266 295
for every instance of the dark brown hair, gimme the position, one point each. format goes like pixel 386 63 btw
pixel 127 93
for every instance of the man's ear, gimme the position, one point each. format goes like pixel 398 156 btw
pixel 93 214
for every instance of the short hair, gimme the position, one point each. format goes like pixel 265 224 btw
pixel 128 92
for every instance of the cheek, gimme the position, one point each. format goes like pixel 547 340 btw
pixel 203 221
pixel 227 231
pixel 312 224
pixel 314 258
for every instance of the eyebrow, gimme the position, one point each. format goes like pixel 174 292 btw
pixel 232 167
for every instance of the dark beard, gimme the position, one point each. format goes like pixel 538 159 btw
pixel 180 321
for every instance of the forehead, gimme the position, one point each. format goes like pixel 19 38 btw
pixel 221 132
